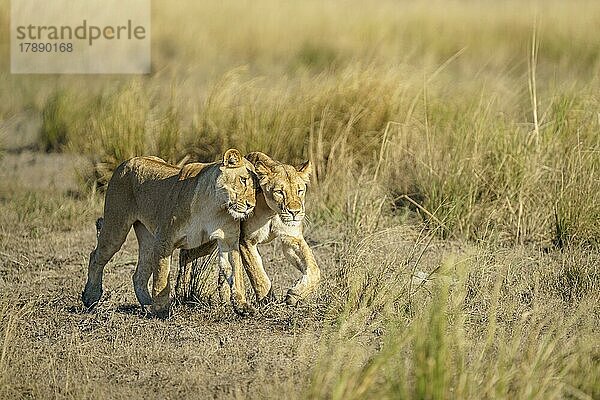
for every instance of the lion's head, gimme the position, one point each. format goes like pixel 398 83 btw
pixel 236 184
pixel 283 186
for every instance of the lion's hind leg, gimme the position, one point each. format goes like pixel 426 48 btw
pixel 111 233
pixel 143 270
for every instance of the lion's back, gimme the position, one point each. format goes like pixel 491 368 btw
pixel 149 168
pixel 138 184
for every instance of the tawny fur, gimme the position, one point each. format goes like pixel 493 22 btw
pixel 170 208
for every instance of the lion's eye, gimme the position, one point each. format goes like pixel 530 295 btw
pixel 300 192
pixel 278 192
pixel 243 180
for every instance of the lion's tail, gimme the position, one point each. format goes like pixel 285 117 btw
pixel 99 225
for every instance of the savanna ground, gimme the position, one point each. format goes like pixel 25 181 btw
pixel 454 209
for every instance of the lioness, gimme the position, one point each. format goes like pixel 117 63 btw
pixel 169 208
pixel 278 214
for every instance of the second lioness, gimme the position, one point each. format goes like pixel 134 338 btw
pixel 279 213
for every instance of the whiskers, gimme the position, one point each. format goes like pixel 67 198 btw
pixel 306 221
pixel 236 214
pixel 291 221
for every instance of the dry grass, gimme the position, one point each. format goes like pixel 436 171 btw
pixel 454 209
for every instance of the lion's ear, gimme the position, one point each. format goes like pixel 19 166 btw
pixel 304 170
pixel 257 156
pixel 262 171
pixel 232 159
pixel 253 157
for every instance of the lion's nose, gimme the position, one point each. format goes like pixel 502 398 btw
pixel 294 213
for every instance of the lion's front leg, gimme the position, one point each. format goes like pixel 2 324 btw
pixel 93 287
pixel 299 253
pixel 256 272
pixel 230 264
pixel 161 286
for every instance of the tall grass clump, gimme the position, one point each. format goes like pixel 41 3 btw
pixel 577 157
pixel 336 122
pixel 484 326
pixel 484 176
pixel 60 120
pixel 123 123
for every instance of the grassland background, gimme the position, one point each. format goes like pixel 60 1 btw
pixel 419 119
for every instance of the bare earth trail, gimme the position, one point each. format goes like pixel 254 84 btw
pixel 51 342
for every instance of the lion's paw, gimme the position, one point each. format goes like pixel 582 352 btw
pixel 90 298
pixel 268 299
pixel 161 313
pixel 291 298
pixel 243 309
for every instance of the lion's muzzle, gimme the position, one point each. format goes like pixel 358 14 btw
pixel 240 210
pixel 292 217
